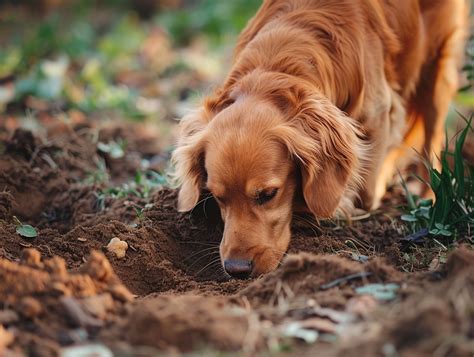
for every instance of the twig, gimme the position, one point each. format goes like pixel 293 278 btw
pixel 332 284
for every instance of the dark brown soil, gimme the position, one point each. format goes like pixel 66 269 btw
pixel 64 287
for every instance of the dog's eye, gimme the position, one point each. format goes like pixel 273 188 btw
pixel 265 195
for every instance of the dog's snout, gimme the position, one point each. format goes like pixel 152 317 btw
pixel 239 269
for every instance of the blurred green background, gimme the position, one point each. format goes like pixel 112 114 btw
pixel 127 59
pixel 133 59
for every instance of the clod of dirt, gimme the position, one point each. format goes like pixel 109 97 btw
pixel 303 275
pixel 117 247
pixel 32 258
pixel 43 305
pixel 460 260
pixel 187 322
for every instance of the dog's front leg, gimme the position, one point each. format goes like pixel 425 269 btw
pixel 374 188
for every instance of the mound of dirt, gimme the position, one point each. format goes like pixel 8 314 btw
pixel 436 321
pixel 185 323
pixel 306 276
pixel 44 307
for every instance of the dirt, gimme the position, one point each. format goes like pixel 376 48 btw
pixel 65 289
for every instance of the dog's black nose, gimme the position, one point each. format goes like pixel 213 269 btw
pixel 239 269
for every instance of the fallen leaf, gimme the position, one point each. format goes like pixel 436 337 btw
pixel 96 350
pixel 296 330
pixel 27 231
pixel 385 292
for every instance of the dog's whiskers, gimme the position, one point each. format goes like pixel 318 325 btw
pixel 208 196
pixel 209 254
pixel 199 252
pixel 309 224
pixel 214 261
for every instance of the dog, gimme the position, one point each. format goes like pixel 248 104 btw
pixel 325 100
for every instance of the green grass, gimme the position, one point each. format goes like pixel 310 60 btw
pixel 451 215
pixel 143 185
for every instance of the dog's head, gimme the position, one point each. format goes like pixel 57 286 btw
pixel 257 151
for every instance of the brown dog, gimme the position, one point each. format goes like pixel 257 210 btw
pixel 325 99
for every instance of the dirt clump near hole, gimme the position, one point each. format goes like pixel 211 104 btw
pixel 45 306
pixel 185 323
pixel 304 276
pixel 438 320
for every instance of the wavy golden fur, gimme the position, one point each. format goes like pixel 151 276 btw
pixel 324 101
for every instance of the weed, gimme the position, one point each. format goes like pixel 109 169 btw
pixel 116 149
pixel 139 212
pixel 143 185
pixel 98 176
pixel 25 230
pixel 451 215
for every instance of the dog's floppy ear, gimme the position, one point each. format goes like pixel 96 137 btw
pixel 189 155
pixel 188 159
pixel 326 146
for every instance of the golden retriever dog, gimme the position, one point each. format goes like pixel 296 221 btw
pixel 325 100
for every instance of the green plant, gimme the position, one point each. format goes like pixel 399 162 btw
pixel 143 185
pixel 98 176
pixel 452 213
pixel 25 230
pixel 116 149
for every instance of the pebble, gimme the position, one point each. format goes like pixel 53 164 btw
pixel 117 247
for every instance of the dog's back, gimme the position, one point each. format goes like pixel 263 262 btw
pixel 411 34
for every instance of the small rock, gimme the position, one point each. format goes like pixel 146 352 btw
pixel 118 247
